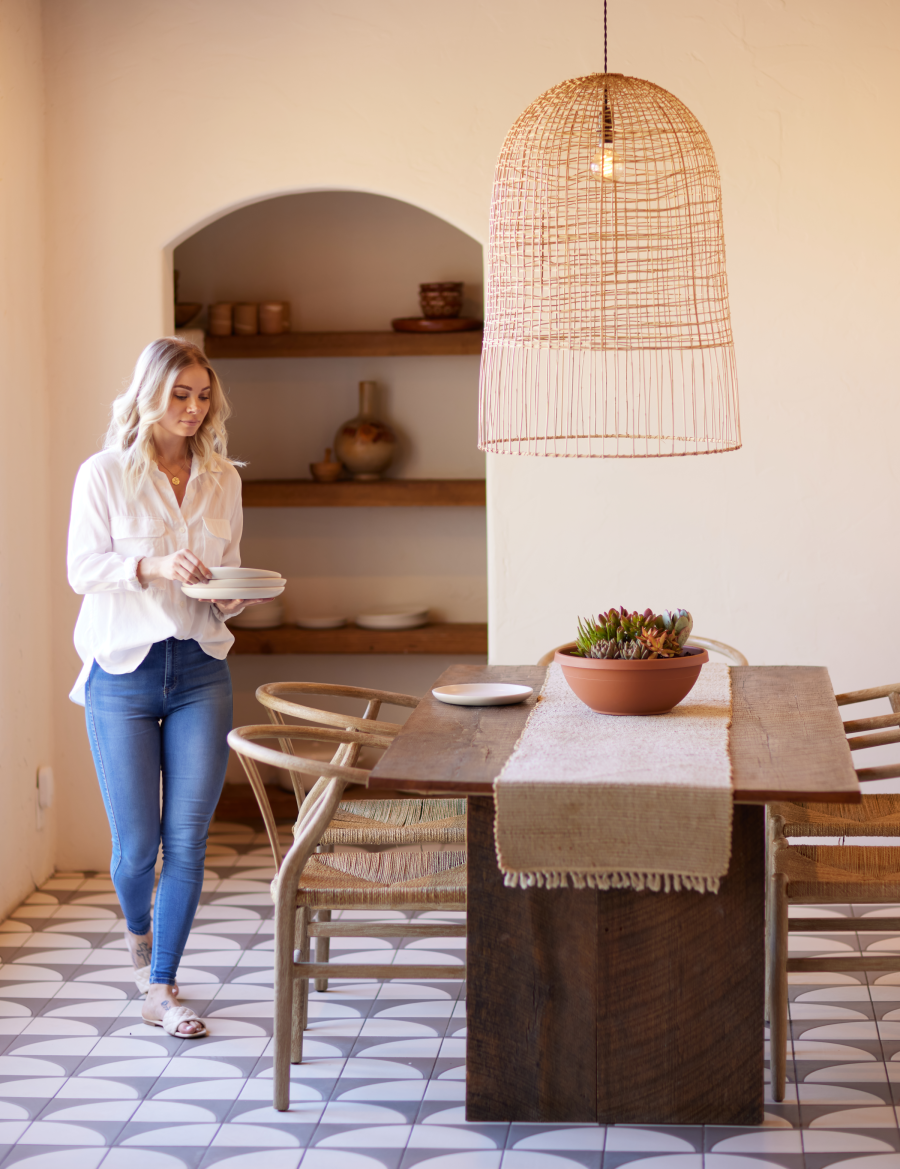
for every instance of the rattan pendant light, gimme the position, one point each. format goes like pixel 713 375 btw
pixel 607 328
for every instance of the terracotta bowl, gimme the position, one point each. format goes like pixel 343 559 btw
pixel 617 687
pixel 185 311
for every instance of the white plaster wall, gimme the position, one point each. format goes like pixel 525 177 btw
pixel 26 852
pixel 165 113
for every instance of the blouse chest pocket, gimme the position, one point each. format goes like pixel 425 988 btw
pixel 135 535
pixel 216 535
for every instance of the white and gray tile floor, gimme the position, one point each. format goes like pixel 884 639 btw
pixel 84 1084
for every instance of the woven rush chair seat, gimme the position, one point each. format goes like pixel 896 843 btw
pixel 875 815
pixel 307 882
pixel 396 822
pixel 840 874
pixel 832 874
pixel 323 886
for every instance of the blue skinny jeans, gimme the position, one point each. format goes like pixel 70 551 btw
pixel 171 715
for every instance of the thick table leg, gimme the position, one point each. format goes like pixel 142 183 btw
pixel 619 1006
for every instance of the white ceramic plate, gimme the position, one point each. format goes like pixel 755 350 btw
pixel 483 694
pixel 405 618
pixel 225 573
pixel 321 622
pixel 219 593
pixel 246 582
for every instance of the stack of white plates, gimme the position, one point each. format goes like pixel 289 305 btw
pixel 394 617
pixel 237 584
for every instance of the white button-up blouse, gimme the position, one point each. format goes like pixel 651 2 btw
pixel 109 533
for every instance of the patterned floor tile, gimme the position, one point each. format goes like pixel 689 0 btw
pixel 85 1084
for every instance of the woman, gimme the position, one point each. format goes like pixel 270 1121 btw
pixel 150 513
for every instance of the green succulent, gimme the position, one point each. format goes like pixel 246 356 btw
pixel 634 636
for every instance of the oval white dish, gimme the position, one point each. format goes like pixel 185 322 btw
pixel 218 593
pixel 483 694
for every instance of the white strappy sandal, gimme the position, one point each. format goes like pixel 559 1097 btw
pixel 171 1020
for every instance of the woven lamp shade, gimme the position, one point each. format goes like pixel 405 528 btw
pixel 607 329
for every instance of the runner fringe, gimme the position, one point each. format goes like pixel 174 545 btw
pixel 655 882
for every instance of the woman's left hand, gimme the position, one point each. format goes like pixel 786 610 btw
pixel 226 608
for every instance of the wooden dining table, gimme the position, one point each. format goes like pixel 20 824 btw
pixel 620 1006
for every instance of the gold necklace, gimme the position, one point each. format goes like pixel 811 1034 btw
pixel 175 480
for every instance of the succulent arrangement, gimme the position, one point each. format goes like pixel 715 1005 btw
pixel 634 636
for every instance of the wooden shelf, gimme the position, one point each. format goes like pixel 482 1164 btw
pixel 448 638
pixel 379 493
pixel 346 345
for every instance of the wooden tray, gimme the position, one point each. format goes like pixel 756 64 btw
pixel 434 324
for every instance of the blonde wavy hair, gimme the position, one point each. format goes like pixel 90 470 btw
pixel 146 401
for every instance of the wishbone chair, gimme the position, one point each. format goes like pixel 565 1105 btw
pixel 421 836
pixel 304 882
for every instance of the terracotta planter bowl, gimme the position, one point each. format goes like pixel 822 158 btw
pixel 617 687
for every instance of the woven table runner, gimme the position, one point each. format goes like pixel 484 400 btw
pixel 619 801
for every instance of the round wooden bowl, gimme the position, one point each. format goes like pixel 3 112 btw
pixel 617 687
pixel 185 311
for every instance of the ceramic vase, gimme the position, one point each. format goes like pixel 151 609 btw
pixel 364 445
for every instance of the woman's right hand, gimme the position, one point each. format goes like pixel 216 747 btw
pixel 182 566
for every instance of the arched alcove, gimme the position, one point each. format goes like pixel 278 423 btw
pixel 348 261
pixel 344 259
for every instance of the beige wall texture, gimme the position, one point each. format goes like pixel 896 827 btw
pixel 164 114
pixel 26 688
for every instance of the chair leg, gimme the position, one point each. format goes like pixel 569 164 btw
pixel 776 960
pixel 323 948
pixel 301 987
pixel 285 920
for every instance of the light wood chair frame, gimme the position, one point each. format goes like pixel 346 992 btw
pixel 293 927
pixel 280 699
pixel 782 861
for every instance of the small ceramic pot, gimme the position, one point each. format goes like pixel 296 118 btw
pixel 274 317
pixel 616 687
pixel 326 471
pixel 246 320
pixel 221 319
pixel 364 445
pixel 185 311
pixel 443 299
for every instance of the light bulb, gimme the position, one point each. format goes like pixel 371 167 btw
pixel 607 164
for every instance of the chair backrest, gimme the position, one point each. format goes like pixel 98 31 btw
pixel 732 655
pixel 280 698
pixel 857 730
pixel 247 744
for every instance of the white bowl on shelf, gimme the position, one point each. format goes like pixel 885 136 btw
pixel 393 617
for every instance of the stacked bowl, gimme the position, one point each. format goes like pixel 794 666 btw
pixel 237 584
